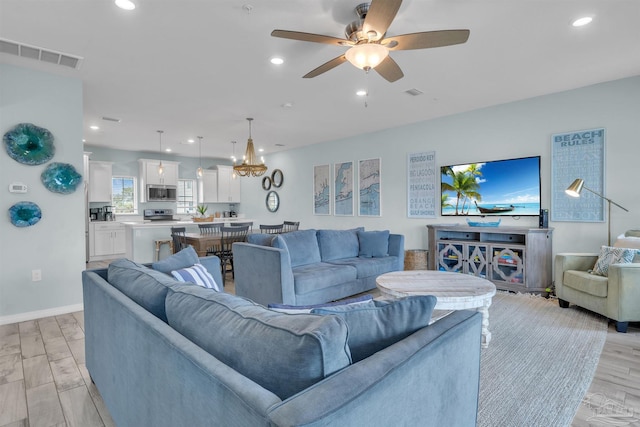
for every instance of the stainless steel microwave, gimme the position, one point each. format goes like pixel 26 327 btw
pixel 162 193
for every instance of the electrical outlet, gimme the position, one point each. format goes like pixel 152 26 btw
pixel 36 275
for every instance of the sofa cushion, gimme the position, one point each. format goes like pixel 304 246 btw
pixel 585 282
pixel 611 255
pixel 283 353
pixel 185 258
pixel 375 327
pixel 632 233
pixel 373 244
pixel 336 244
pixel 367 267
pixel 145 286
pixel 261 239
pixel 312 277
pixel 302 246
pixel 298 309
pixel 196 274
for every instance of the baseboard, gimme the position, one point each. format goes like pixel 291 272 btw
pixel 31 315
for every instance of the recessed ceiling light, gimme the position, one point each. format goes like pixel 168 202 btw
pixel 168 150
pixel 580 22
pixel 261 150
pixel 361 92
pixel 277 60
pixel 125 4
pixel 190 141
pixel 84 140
pixel 94 127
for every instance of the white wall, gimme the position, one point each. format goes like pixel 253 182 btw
pixel 56 244
pixel 517 129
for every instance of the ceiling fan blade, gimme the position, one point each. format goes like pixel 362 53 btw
pixel 426 39
pixel 325 67
pixel 308 37
pixel 390 70
pixel 380 16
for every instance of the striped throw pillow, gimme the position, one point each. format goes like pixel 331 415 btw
pixel 197 274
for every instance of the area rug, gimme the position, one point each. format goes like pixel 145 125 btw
pixel 539 363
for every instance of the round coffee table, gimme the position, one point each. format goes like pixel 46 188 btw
pixel 454 291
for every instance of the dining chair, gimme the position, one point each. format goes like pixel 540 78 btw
pixel 242 224
pixel 229 236
pixel 211 230
pixel 271 229
pixel 178 235
pixel 290 226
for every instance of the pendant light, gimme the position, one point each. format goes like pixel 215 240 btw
pixel 199 171
pixel 160 167
pixel 234 175
pixel 249 166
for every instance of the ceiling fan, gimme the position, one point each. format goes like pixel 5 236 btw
pixel 368 47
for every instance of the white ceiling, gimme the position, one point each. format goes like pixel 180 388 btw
pixel 200 67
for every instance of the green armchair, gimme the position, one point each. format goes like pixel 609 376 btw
pixel 616 297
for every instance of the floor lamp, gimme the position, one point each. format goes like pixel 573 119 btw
pixel 574 191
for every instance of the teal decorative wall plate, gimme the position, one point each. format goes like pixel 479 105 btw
pixel 24 214
pixel 61 178
pixel 29 144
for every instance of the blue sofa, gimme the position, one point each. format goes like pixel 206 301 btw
pixel 206 358
pixel 314 266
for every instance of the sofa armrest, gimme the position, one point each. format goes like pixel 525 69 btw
pixel 396 248
pixel 433 375
pixel 623 293
pixel 263 274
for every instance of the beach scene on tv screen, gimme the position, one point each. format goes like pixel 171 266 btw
pixel 504 187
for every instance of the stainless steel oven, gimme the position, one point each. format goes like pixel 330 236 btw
pixel 162 193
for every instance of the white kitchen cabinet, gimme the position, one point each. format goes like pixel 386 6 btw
pixel 148 174
pixel 100 186
pixel 107 240
pixel 228 187
pixel 208 187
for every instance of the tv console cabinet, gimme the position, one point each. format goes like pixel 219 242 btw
pixel 515 259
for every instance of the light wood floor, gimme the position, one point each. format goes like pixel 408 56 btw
pixel 44 381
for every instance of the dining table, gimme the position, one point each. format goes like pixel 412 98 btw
pixel 201 242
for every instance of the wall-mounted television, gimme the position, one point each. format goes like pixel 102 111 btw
pixel 508 187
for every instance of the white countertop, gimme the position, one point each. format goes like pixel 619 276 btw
pixel 149 224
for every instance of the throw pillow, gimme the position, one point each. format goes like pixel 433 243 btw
pixel 373 244
pixel 373 328
pixel 611 255
pixel 185 258
pixel 297 309
pixel 196 274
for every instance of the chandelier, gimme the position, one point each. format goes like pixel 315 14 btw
pixel 250 166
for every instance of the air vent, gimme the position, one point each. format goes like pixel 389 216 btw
pixel 40 54
pixel 111 119
pixel 413 92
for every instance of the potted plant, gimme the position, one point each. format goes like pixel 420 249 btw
pixel 202 210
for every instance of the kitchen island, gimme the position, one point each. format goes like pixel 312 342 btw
pixel 140 236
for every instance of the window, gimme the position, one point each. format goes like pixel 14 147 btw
pixel 124 197
pixel 186 196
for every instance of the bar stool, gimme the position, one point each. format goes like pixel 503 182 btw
pixel 159 244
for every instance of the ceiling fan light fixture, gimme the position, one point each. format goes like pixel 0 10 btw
pixel 366 55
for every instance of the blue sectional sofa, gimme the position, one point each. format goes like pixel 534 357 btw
pixel 314 266
pixel 165 353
